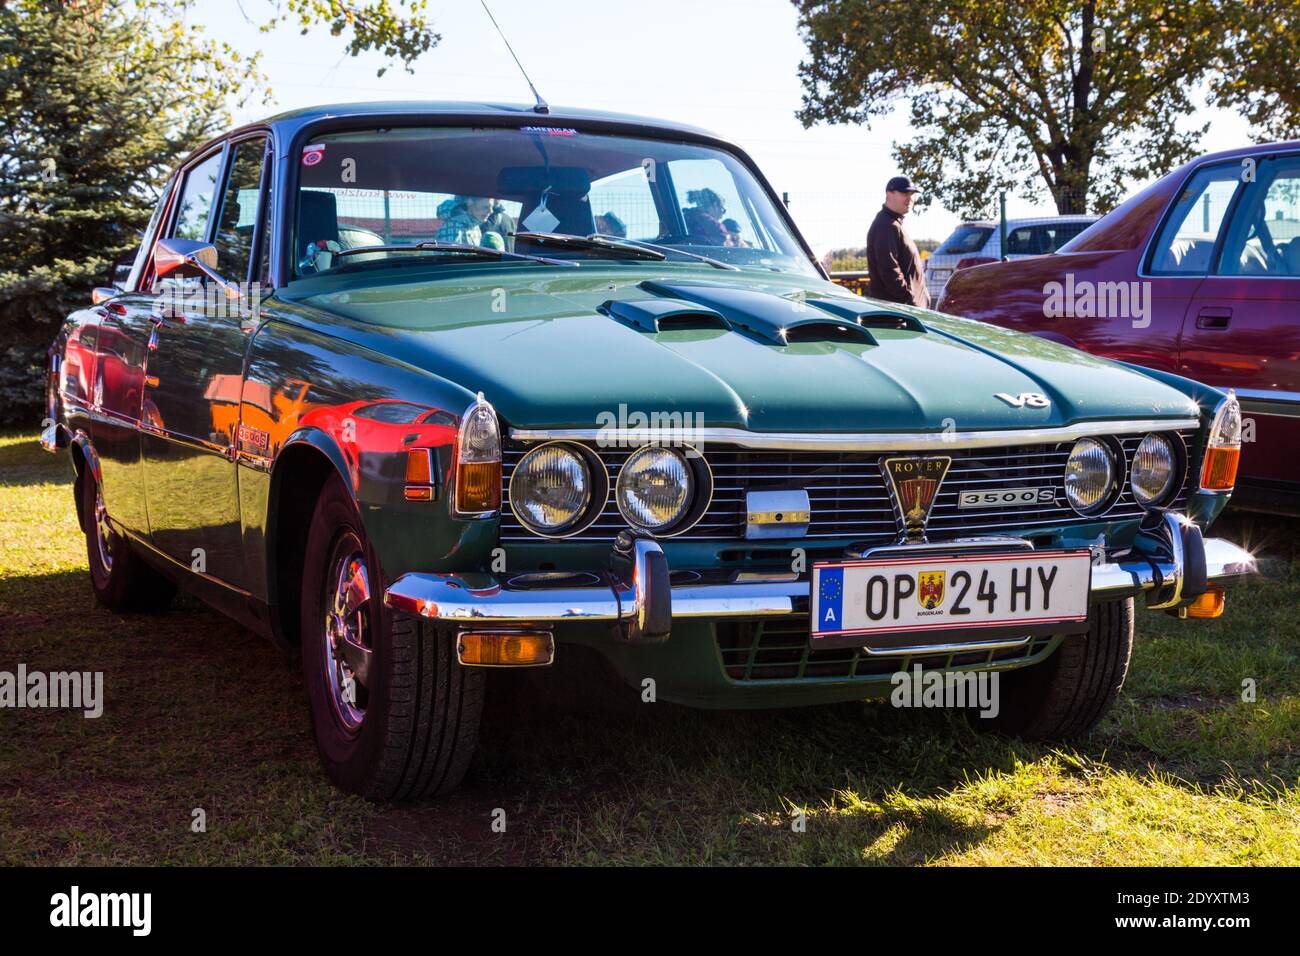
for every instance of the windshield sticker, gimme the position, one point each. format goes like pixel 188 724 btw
pixel 549 130
pixel 311 155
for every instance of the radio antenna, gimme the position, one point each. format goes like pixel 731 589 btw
pixel 540 106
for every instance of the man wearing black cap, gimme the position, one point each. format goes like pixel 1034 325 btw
pixel 892 259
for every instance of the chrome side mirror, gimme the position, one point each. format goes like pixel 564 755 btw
pixel 100 295
pixel 189 257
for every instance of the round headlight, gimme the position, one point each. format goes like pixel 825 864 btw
pixel 550 488
pixel 1089 474
pixel 1154 466
pixel 654 488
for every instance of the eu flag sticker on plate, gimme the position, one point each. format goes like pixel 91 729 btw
pixel 830 599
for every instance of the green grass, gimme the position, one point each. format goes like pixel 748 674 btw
pixel 200 713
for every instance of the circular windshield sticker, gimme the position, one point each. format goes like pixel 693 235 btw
pixel 311 155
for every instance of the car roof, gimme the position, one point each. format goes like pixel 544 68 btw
pixel 293 119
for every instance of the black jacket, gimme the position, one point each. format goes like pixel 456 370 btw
pixel 894 263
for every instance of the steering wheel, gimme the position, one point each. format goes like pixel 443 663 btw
pixel 1259 229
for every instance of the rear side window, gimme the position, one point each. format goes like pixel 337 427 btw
pixel 1185 245
pixel 965 241
pixel 196 200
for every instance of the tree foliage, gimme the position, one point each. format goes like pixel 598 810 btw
pixel 1081 98
pixel 99 101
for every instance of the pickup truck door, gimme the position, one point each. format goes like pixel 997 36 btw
pixel 195 372
pixel 1242 328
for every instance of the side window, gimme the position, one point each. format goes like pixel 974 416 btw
pixel 1186 242
pixel 191 221
pixel 624 207
pixel 1264 238
pixel 234 239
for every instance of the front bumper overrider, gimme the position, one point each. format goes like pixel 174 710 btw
pixel 1169 562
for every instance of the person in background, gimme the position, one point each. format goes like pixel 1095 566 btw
pixel 608 224
pixel 892 258
pixel 502 224
pixel 704 218
pixel 732 229
pixel 464 220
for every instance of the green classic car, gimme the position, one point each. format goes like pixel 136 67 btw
pixel 425 390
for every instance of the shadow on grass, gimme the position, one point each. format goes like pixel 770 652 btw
pixel 203 714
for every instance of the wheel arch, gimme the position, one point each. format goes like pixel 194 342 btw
pixel 309 458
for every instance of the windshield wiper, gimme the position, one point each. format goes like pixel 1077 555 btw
pixel 596 240
pixel 456 248
pixel 716 263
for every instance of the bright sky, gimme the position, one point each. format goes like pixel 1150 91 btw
pixel 730 66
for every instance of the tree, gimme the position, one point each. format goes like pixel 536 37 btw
pixel 99 100
pixel 1083 98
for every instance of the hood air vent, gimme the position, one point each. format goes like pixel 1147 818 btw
pixel 867 316
pixel 770 318
pixel 663 315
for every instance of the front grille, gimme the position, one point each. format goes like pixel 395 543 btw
pixel 849 497
pixel 754 651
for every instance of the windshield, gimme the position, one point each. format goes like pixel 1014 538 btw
pixel 398 192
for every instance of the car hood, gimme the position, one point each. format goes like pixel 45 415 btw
pixel 571 348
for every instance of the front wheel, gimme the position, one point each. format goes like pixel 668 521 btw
pixel 1068 694
pixel 395 715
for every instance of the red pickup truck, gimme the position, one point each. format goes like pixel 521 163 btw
pixel 1197 275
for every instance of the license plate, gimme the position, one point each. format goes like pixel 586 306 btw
pixel 901 600
pixel 939 275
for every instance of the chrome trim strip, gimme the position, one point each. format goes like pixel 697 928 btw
pixel 860 441
pixel 1263 401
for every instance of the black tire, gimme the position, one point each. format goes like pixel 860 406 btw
pixel 409 729
pixel 1068 694
pixel 121 579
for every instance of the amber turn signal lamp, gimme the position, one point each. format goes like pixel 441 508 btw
pixel 505 648
pixel 478 461
pixel 1220 471
pixel 1223 449
pixel 478 486
pixel 419 474
pixel 1208 605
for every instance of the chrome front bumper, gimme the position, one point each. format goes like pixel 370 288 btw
pixel 1170 563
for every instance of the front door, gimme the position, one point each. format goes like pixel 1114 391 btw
pixel 1242 328
pixel 195 370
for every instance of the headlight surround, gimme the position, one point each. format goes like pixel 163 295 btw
pixel 654 488
pixel 1155 465
pixel 551 489
pixel 1089 475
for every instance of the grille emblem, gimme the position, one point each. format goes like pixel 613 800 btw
pixel 915 484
